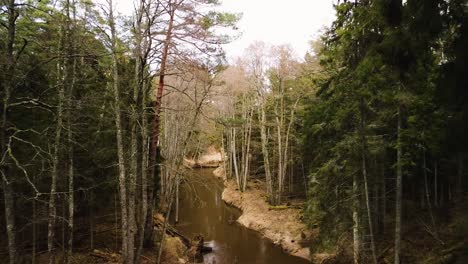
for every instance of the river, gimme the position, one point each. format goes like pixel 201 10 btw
pixel 202 211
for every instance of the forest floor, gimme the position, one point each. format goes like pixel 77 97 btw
pixel 281 225
pixel 106 248
pixel 174 252
pixel 422 244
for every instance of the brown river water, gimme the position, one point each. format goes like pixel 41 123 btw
pixel 202 211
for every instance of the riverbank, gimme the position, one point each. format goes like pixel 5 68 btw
pixel 283 227
pixel 212 157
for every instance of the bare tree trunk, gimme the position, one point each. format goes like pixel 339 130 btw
pixel 375 198
pixel 157 114
pixel 34 227
pixel 365 180
pixel 244 143
pixel 144 173
pixel 137 109
pixel 166 219
pixel 459 189
pixel 399 189
pixel 116 223
pixel 230 167
pixel 91 220
pixel 356 224
pixel 248 137
pixel 280 144
pixel 223 155
pixel 4 138
pixel 159 94
pixel 61 77
pixel 134 117
pixel 71 188
pixel 146 84
pixel 266 156
pixel 369 215
pixel 62 220
pixel 234 156
pixel 436 198
pixel 286 144
pixel 177 200
pixel 126 254
pixel 71 176
pixel 280 176
pixel 428 198
pixel 10 219
pixel 383 198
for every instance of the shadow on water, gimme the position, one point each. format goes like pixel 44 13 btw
pixel 202 211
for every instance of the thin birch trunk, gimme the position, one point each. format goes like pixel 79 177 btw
pixel 10 220
pixel 365 179
pixel 399 187
pixel 177 201
pixel 144 174
pixel 223 155
pixel 383 198
pixel 375 199
pixel 436 197
pixel 356 224
pixel 61 77
pixel 247 151
pixel 459 188
pixel 34 227
pixel 135 117
pixel 428 198
pixel 71 176
pixel 71 194
pixel 63 217
pixel 166 219
pixel 91 220
pixel 280 160
pixel 126 255
pixel 266 157
pixel 286 144
pixel 132 176
pixel 4 138
pixel 369 215
pixel 234 156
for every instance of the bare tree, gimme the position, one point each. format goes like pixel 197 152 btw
pixel 258 64
pixel 70 98
pixel 127 252
pixel 171 8
pixel 186 38
pixel 61 79
pixel 4 137
pixel 283 69
pixel 399 187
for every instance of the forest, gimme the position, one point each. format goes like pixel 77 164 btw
pixel 134 139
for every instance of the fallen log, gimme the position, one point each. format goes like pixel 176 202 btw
pixel 206 249
pixel 170 230
pixel 284 207
pixel 108 257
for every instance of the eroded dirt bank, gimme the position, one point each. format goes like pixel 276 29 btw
pixel 212 157
pixel 283 227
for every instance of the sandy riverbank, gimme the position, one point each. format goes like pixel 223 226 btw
pixel 282 227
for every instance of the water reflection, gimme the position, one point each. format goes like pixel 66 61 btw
pixel 202 211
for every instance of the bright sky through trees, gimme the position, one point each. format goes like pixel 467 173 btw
pixel 293 22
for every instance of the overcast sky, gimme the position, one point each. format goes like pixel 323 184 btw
pixel 293 22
